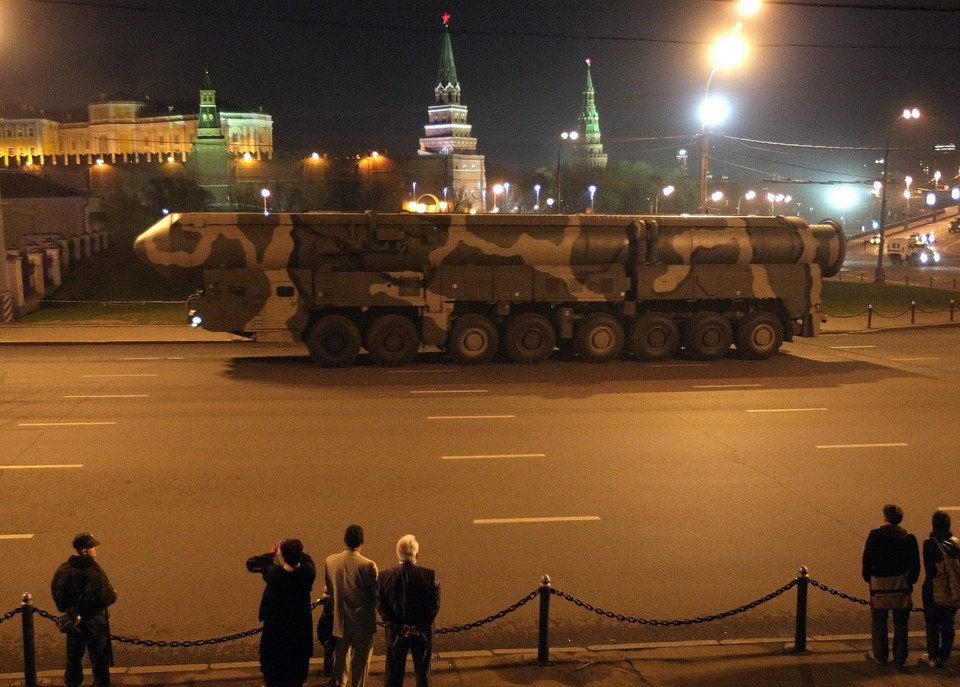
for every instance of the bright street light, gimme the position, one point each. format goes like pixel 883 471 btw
pixel 593 190
pixel 564 136
pixel 666 191
pixel 536 189
pixel 497 190
pixel 265 192
pixel 908 114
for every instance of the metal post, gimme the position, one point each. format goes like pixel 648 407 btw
pixel 799 645
pixel 869 316
pixel 913 312
pixel 951 310
pixel 29 646
pixel 543 645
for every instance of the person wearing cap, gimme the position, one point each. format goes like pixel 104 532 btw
pixel 286 643
pixel 81 586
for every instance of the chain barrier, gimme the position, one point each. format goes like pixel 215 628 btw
pixel 840 317
pixel 688 621
pixel 10 614
pixel 848 597
pixel 489 619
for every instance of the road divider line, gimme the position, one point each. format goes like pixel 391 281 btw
pixel 512 521
pixel 40 467
pixel 495 455
pixel 62 424
pixel 404 372
pixel 107 396
pixel 725 386
pixel 843 347
pixel 469 417
pixel 155 357
pixel 948 507
pixel 908 360
pixel 453 391
pixel 783 410
pixel 16 536
pixel 145 374
pixel 890 445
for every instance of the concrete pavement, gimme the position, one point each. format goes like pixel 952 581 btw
pixel 829 662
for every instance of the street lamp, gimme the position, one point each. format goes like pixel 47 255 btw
pixel 536 189
pixel 914 113
pixel 593 190
pixel 506 196
pixel 749 195
pixel 265 192
pixel 666 191
pixel 573 136
pixel 497 190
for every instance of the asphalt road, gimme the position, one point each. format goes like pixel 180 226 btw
pixel 663 491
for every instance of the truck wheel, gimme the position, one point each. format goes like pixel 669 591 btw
pixel 707 336
pixel 529 338
pixel 654 337
pixel 473 339
pixel 896 259
pixel 599 338
pixel 759 335
pixel 392 340
pixel 334 341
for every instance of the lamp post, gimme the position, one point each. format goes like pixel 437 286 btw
pixel 879 277
pixel 506 196
pixel 665 191
pixel 592 188
pixel 497 190
pixel 536 190
pixel 573 136
pixel 265 192
pixel 748 196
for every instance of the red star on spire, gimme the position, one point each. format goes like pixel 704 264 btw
pixel 588 61
pixel 446 18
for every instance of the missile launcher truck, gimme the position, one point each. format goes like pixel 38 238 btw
pixel 518 284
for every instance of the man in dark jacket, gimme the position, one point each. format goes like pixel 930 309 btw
pixel 890 551
pixel 81 586
pixel 408 598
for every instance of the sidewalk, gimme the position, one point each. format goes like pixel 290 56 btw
pixel 830 662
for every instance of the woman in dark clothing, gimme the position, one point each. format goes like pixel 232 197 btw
pixel 286 644
pixel 937 619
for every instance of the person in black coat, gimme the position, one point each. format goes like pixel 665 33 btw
pixel 890 551
pixel 286 643
pixel 938 620
pixel 408 599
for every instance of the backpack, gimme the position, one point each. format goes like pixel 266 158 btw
pixel 946 585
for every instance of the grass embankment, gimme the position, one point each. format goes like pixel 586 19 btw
pixel 847 298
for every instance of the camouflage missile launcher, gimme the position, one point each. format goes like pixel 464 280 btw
pixel 471 285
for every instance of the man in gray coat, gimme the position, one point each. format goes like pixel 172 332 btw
pixel 352 583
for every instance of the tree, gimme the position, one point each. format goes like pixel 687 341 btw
pixel 177 194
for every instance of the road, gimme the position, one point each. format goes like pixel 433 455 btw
pixel 663 491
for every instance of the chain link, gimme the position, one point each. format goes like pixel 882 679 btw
pixel 10 614
pixel 510 609
pixel 855 599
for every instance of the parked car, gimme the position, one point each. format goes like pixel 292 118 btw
pixel 872 240
pixel 954 225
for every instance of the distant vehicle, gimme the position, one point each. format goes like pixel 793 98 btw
pixel 873 240
pixel 911 252
pixel 954 225
pixel 924 239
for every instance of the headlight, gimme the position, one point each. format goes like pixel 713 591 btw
pixel 924 258
pixel 194 319
pixel 936 257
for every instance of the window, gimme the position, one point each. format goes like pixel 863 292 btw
pixel 285 291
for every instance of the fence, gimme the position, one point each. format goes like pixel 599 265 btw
pixel 544 592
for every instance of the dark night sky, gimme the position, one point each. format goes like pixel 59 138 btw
pixel 358 75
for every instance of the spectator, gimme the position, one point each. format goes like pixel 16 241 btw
pixel 351 582
pixel 937 619
pixel 890 552
pixel 81 586
pixel 286 643
pixel 408 598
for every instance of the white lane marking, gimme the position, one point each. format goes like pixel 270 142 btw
pixel 107 396
pixel 62 424
pixel 725 386
pixel 122 375
pixel 948 507
pixel 495 455
pixel 16 536
pixel 453 391
pixel 842 347
pixel 907 360
pixel 782 410
pixel 40 467
pixel 468 417
pixel 862 445
pixel 501 521
pixel 401 372
pixel 155 357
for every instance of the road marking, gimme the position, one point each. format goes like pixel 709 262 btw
pixel 725 386
pixel 453 391
pixel 510 521
pixel 783 410
pixel 862 445
pixel 62 424
pixel 842 347
pixel 495 455
pixel 16 536
pixel 948 507
pixel 155 357
pixel 40 467
pixel 468 417
pixel 123 375
pixel 108 396
pixel 907 360
pixel 418 371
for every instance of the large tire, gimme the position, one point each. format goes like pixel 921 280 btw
pixel 334 341
pixel 392 340
pixel 707 336
pixel 759 335
pixel 896 259
pixel 473 339
pixel 599 338
pixel 529 338
pixel 654 337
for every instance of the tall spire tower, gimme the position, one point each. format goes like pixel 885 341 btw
pixel 588 152
pixel 208 120
pixel 448 165
pixel 210 162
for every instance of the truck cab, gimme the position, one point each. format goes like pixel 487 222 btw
pixel 911 252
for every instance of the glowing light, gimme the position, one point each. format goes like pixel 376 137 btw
pixel 446 18
pixel 931 199
pixel 843 197
pixel 729 50
pixel 714 110
pixel 750 195
pixel 667 190
pixel 911 114
pixel 99 160
pixel 170 158
pixel 749 6
pixel 247 157
pixel 315 156
pixel 374 154
pixel 716 196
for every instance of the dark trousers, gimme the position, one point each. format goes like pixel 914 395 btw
pixel 419 649
pixel 878 630
pixel 95 638
pixel 938 622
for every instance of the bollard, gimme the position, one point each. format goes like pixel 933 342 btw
pixel 543 644
pixel 799 645
pixel 29 646
pixel 951 310
pixel 913 312
pixel 869 316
